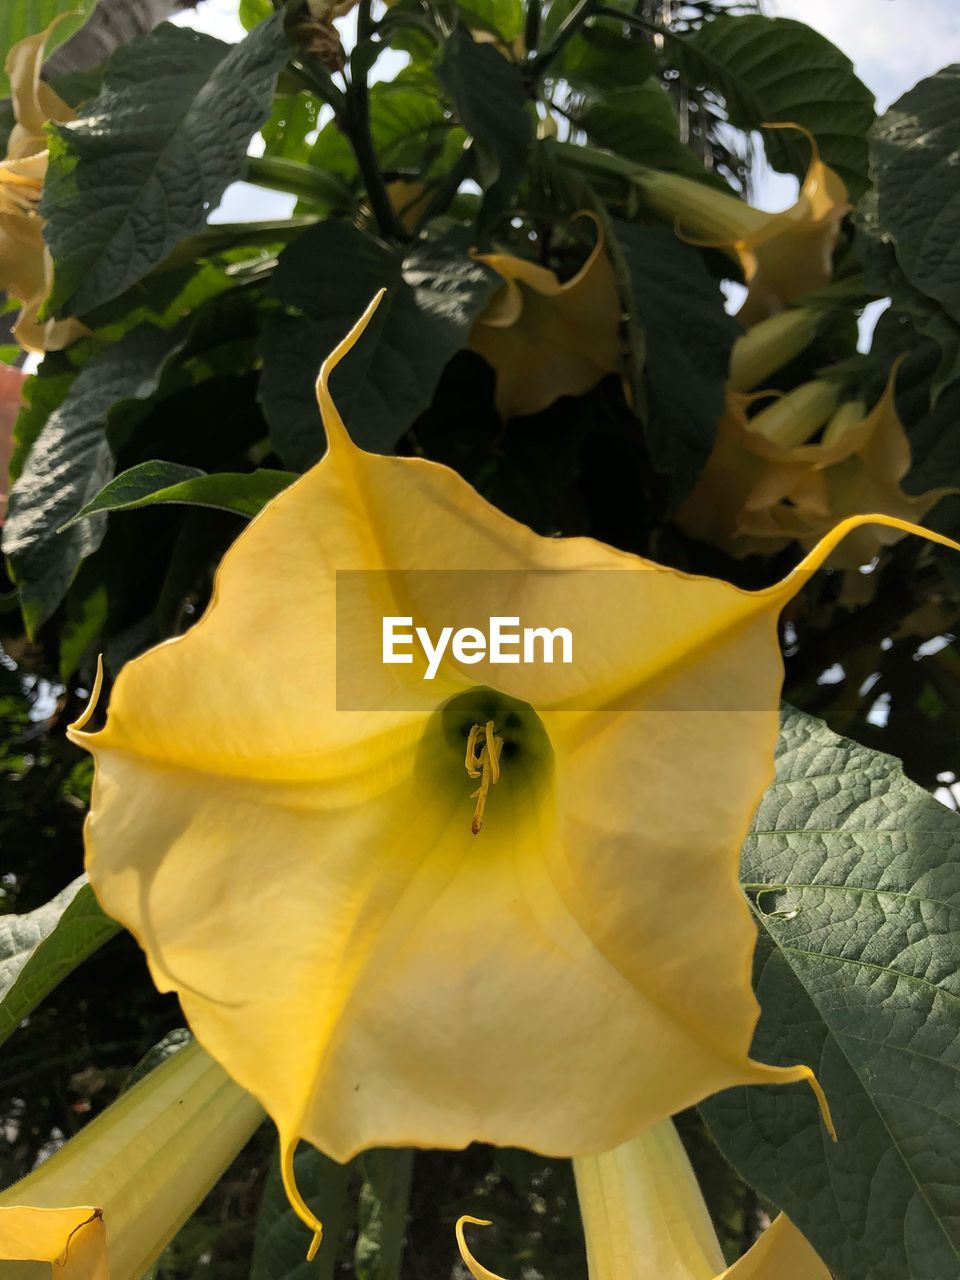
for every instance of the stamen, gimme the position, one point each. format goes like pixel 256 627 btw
pixel 482 763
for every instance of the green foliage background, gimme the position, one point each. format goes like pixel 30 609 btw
pixel 144 447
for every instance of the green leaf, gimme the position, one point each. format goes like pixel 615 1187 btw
pixel 69 463
pixel 292 117
pixel 165 136
pixel 491 102
pixel 157 483
pixel 777 69
pixel 502 18
pixel 324 280
pixel 602 59
pixel 686 336
pixel 640 123
pixel 913 158
pixel 38 949
pixel 22 18
pixel 252 12
pixel 408 122
pixel 382 1212
pixel 280 1245
pixel 855 877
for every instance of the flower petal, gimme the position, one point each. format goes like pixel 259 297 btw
pixel 545 339
pixel 305 875
pixel 34 102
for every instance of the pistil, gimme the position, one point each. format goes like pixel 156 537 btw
pixel 482 761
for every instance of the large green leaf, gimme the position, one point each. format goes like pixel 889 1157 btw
pixel 490 99
pixel 678 320
pixel 777 69
pixel 854 874
pixel 153 153
pixel 38 949
pixel 913 157
pixel 21 18
pixel 69 463
pixel 325 280
pixel 640 122
pixel 382 1213
pixel 163 483
pixel 280 1245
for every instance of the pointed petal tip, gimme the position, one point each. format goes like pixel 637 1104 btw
pixel 476 1269
pixel 297 1202
pixel 815 559
pixel 85 715
pixel 799 1074
pixel 333 424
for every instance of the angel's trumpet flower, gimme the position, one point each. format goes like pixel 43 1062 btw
pixel 107 1204
pixel 644 1219
pixel 801 466
pixel 545 339
pixel 26 268
pixel 285 814
pixel 782 255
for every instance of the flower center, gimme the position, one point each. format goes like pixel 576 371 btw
pixel 498 740
pixel 482 761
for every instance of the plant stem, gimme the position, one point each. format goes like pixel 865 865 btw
pixel 443 196
pixel 301 180
pixel 357 128
pixel 531 30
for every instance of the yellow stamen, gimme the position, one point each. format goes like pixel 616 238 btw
pixel 482 763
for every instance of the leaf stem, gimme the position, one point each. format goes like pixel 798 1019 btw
pixel 531 29
pixel 443 196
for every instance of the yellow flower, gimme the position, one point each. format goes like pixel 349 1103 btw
pixel 796 469
pixel 782 255
pixel 285 822
pixel 545 339
pixel 644 1219
pixel 26 268
pixel 109 1201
